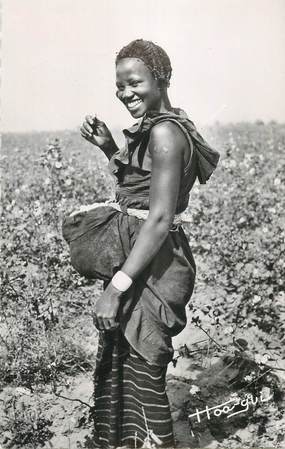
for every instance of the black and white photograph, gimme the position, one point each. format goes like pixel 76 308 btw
pixel 142 294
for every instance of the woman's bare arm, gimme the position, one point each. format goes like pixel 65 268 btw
pixel 167 146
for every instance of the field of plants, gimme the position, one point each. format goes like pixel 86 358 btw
pixel 232 345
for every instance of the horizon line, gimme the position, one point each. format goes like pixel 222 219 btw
pixel 257 121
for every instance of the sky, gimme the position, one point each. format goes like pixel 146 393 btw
pixel 228 59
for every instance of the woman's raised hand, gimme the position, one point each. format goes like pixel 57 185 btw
pixel 96 132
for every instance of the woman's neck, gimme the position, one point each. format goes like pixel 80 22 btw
pixel 165 102
pixel 164 105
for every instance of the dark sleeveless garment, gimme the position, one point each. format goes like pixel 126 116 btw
pixel 134 178
pixel 134 174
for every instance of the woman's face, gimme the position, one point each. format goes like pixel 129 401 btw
pixel 136 87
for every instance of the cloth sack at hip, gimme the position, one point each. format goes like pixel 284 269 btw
pixel 94 240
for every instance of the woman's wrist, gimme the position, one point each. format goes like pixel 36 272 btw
pixel 110 148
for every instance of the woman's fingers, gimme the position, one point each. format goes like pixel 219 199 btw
pixel 110 323
pixel 83 132
pixel 99 122
pixel 100 321
pixel 93 121
pixel 104 323
pixel 86 135
pixel 97 322
pixel 90 120
pixel 88 128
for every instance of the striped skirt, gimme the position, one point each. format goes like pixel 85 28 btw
pixel 130 402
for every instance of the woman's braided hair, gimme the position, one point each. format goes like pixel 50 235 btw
pixel 153 56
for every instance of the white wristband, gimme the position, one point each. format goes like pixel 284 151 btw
pixel 121 281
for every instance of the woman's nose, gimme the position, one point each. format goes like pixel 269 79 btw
pixel 127 93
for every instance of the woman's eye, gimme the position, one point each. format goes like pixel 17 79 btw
pixel 134 84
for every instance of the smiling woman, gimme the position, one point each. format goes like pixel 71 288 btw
pixel 137 246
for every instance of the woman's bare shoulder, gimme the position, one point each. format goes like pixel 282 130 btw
pixel 168 133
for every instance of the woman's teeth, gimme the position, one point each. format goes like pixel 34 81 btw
pixel 134 103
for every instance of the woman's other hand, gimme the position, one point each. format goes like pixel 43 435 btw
pixel 96 132
pixel 106 308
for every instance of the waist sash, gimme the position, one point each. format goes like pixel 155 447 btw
pixel 142 214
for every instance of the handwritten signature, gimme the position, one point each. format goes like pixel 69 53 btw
pixel 225 408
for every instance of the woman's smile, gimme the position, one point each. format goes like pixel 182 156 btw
pixel 133 104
